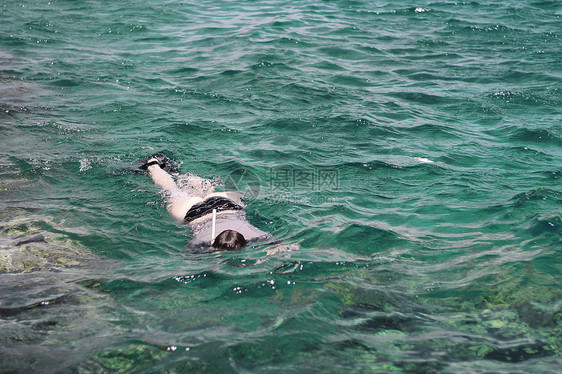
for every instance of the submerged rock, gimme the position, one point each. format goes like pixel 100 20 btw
pixel 47 310
pixel 25 247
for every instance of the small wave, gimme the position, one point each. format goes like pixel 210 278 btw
pixel 65 82
pixel 547 225
pixel 518 134
pixel 351 81
pixel 422 97
pixel 536 194
pixel 350 54
pixel 514 97
pixel 552 175
pixel 465 26
pixel 536 135
pixel 434 131
pixel 547 5
pixel 366 240
pixel 181 71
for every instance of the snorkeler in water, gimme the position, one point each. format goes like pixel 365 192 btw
pixel 218 212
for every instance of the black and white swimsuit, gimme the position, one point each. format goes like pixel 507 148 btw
pixel 205 207
pixel 235 220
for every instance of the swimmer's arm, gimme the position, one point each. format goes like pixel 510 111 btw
pixel 277 249
pixel 281 247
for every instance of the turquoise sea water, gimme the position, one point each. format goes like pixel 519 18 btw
pixel 412 150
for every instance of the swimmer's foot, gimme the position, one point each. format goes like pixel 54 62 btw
pixel 161 160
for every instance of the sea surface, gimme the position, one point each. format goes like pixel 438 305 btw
pixel 407 156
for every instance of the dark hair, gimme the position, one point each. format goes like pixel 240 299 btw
pixel 229 240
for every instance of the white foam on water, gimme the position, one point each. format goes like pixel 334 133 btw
pixel 85 164
pixel 424 160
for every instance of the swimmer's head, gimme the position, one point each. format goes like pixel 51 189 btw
pixel 229 240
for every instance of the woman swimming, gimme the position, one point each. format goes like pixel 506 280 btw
pixel 218 212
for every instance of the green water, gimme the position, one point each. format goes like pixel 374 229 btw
pixel 413 151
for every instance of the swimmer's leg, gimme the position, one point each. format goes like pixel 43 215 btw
pixel 178 202
pixel 178 205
